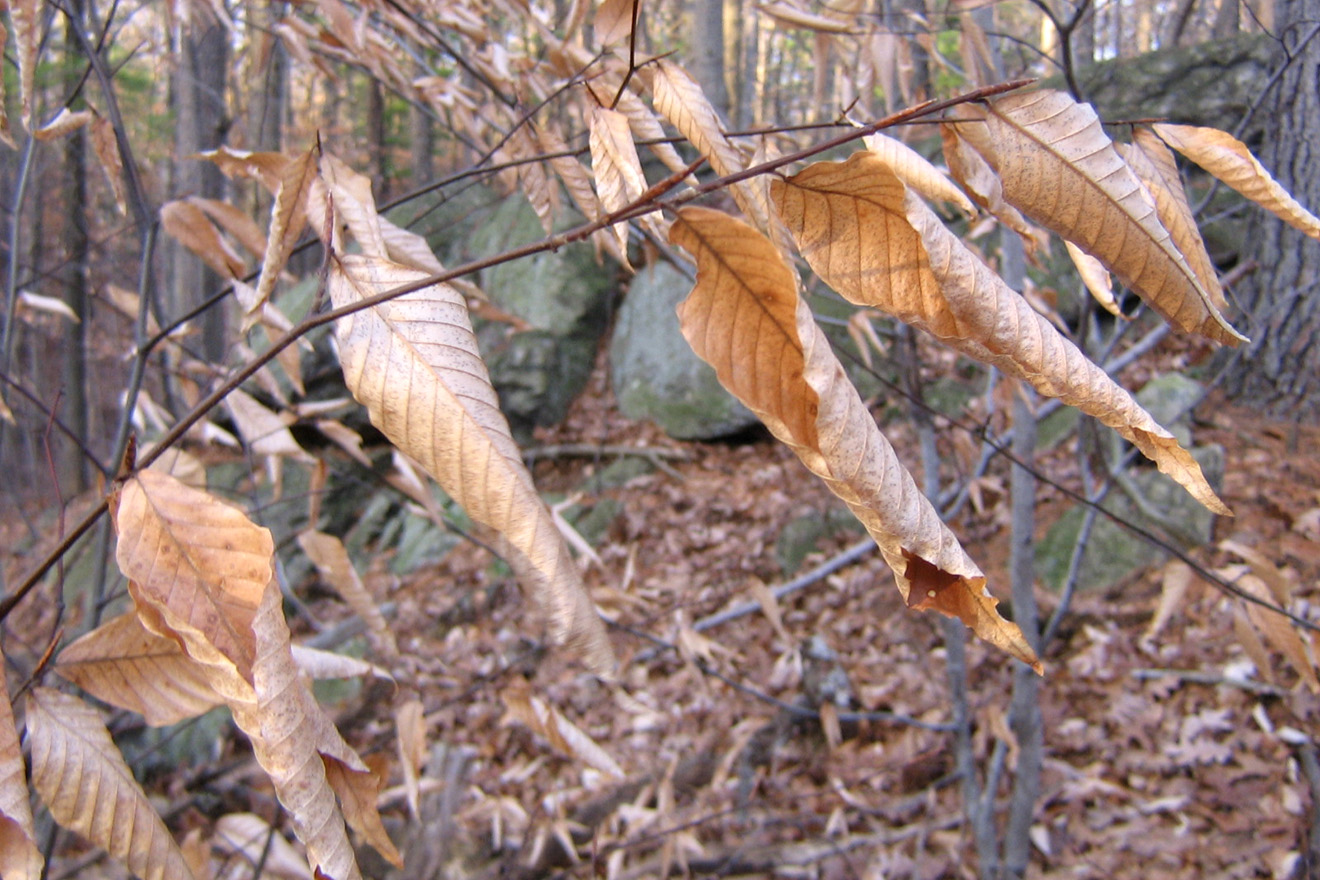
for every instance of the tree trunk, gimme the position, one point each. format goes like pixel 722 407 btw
pixel 74 470
pixel 201 123
pixel 376 141
pixel 708 51
pixel 1279 373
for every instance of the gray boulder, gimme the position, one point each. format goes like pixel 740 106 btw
pixel 653 371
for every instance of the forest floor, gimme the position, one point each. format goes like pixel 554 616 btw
pixel 710 754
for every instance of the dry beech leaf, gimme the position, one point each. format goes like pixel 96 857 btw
pixel 407 247
pixel 265 431
pixel 680 99
pixel 615 166
pixel 331 559
pixel 190 226
pixel 577 181
pixel 613 21
pixel 20 858
pixel 1277 629
pixel 286 728
pixel 1059 168
pixel 789 14
pixel 84 782
pixel 1096 278
pixel 234 221
pixel 200 564
pixel 745 318
pixel 986 189
pixel 410 731
pixel 288 217
pixel 1228 159
pixel 65 122
pixel 25 16
pixel 535 183
pixel 106 146
pixel 248 165
pixel 878 244
pixel 320 665
pixel 248 836
pixel 413 362
pixel 342 196
pixel 544 720
pixel 123 664
pixel 1155 166
pixel 1174 583
pixel 917 172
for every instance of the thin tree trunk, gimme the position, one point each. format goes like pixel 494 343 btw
pixel 1279 372
pixel 74 470
pixel 707 40
pixel 421 145
pixel 376 138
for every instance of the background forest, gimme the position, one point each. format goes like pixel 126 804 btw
pixel 291 547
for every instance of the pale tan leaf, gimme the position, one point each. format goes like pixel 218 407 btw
pixel 346 439
pixel 544 720
pixel 745 318
pixel 1060 169
pixel 786 13
pixel 917 172
pixel 265 431
pixel 613 21
pixel 36 302
pixel 190 227
pixel 6 414
pixel 106 146
pixel 578 184
pixel 266 167
pixel 410 730
pixel 200 563
pixel 25 16
pixel 1278 630
pixel 1155 166
pixel 247 835
pixel 125 665
pixel 354 207
pixel 976 176
pixel 1280 582
pixel 1251 643
pixel 535 184
pixel 331 559
pixel 878 244
pixel 84 782
pixel 1228 159
pixel 680 99
pixel 1096 278
pixel 615 166
pixel 319 665
pixel 288 217
pixel 179 463
pixel 414 363
pixel 20 858
pixel 1176 579
pixel 289 734
pixel 407 247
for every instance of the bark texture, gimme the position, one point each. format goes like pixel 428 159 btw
pixel 1279 373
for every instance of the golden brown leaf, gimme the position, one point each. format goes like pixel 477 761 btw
pixel 791 15
pixel 190 227
pixel 125 665
pixel 1060 169
pixel 877 244
pixel 106 147
pixel 20 859
pixel 249 837
pixel 330 557
pixel 288 216
pixel 233 221
pixel 613 21
pixel 248 165
pixel 1278 630
pixel 414 363
pixel 578 184
pixel 1155 166
pixel 986 189
pixel 745 318
pixel 201 564
pixel 84 782
pixel 544 720
pixel 1228 159
pixel 1096 278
